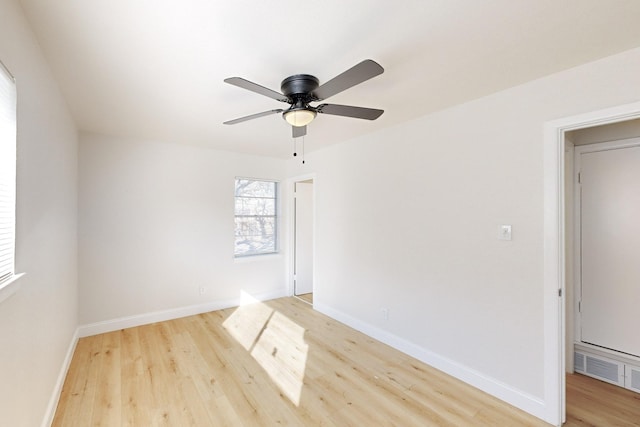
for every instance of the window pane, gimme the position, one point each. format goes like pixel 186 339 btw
pixel 251 245
pixel 255 226
pixel 251 206
pixel 252 188
pixel 255 217
pixel 7 173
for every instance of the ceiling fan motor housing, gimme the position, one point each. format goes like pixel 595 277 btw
pixel 299 87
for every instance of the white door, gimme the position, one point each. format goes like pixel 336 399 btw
pixel 303 274
pixel 610 244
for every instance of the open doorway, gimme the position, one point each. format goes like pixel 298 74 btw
pixel 600 343
pixel 555 259
pixel 303 236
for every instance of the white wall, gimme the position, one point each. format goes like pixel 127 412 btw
pixel 37 324
pixel 408 217
pixel 156 224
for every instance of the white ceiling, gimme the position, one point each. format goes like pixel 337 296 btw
pixel 154 69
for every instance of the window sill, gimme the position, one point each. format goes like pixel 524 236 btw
pixel 10 287
pixel 256 257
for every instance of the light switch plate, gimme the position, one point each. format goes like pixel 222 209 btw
pixel 505 232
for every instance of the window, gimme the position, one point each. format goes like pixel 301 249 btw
pixel 7 174
pixel 256 219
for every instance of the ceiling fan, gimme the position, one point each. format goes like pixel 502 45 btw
pixel 300 90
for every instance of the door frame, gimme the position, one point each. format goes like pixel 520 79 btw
pixel 554 287
pixel 292 229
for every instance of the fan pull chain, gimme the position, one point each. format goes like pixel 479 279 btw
pixel 295 150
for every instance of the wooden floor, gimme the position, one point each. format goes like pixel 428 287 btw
pixel 306 297
pixel 264 364
pixel 591 402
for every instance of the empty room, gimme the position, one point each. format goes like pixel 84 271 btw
pixel 329 213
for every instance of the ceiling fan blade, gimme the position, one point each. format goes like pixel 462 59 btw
pixel 349 111
pixel 254 87
pixel 353 76
pixel 299 131
pixel 253 116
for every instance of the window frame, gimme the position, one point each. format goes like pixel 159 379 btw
pixel 275 216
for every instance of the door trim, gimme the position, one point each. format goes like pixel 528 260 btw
pixel 554 261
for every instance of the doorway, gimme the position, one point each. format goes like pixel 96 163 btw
pixel 303 239
pixel 557 264
pixel 607 234
pixel 601 176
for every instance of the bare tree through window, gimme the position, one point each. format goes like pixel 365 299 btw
pixel 255 216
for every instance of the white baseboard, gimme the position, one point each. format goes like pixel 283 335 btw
pixel 57 390
pixel 174 313
pixel 528 403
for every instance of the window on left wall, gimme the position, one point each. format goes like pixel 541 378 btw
pixel 7 175
pixel 256 217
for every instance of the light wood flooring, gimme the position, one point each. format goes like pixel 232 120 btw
pixel 308 298
pixel 264 364
pixel 591 402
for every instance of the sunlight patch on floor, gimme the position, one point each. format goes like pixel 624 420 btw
pixel 246 323
pixel 275 342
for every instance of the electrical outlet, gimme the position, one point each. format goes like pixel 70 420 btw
pixel 385 313
pixel 202 290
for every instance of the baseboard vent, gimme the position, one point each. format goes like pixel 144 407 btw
pixel 632 375
pixel 578 361
pixel 600 368
pixel 612 371
pixel 605 369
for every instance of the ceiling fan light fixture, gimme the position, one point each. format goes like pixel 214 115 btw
pixel 299 117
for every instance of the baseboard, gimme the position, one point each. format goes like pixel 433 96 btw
pixel 174 313
pixel 57 390
pixel 528 403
